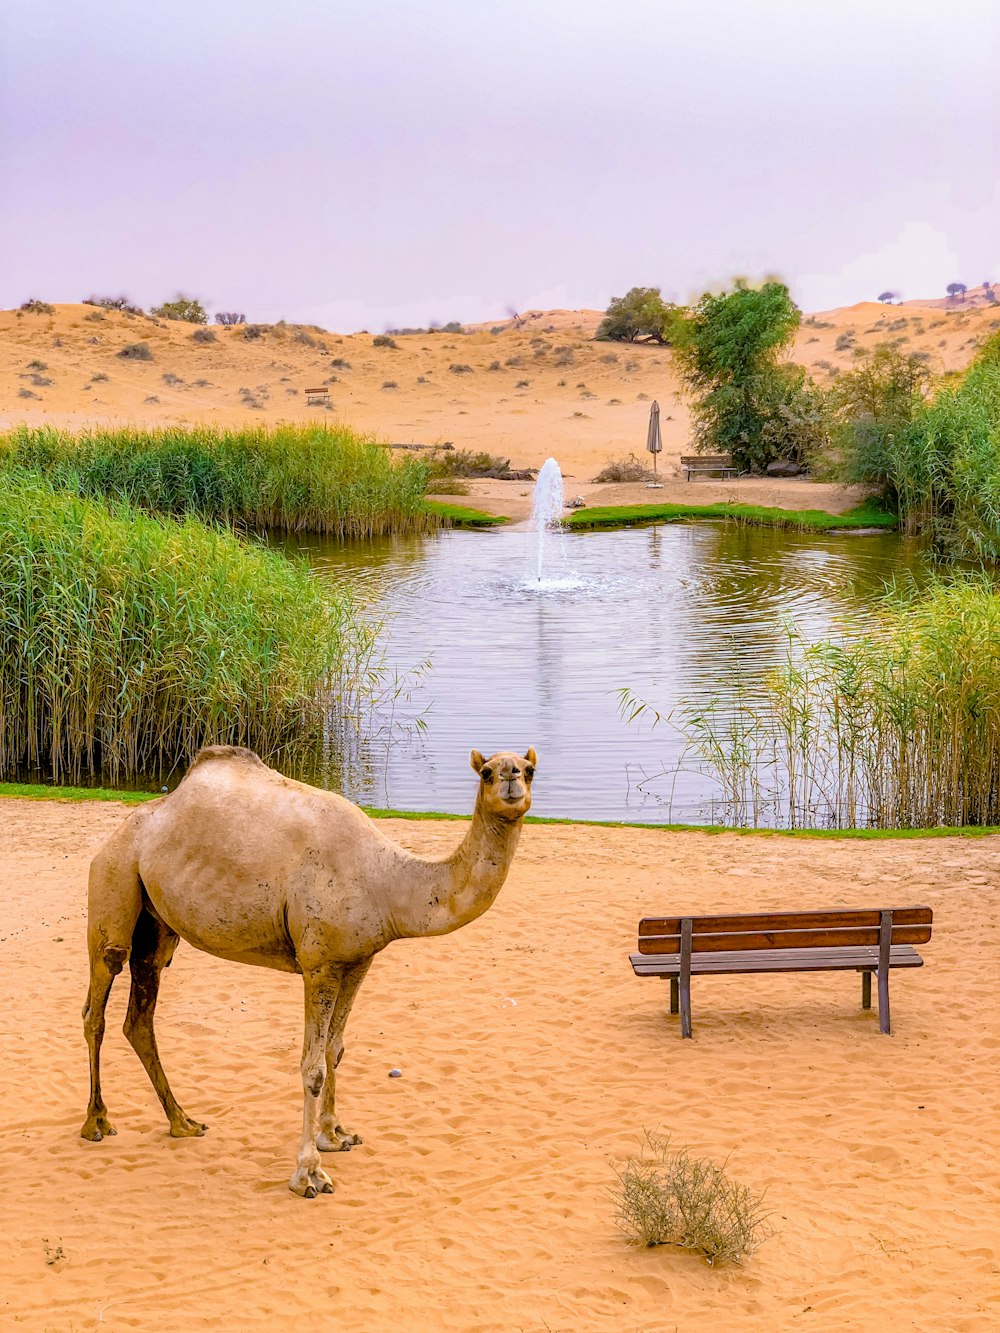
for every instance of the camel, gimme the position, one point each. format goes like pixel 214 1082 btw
pixel 251 866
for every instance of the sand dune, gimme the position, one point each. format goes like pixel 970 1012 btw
pixel 530 1057
pixel 544 388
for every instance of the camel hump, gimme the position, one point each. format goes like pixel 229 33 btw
pixel 227 752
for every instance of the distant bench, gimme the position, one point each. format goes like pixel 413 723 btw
pixel 317 397
pixel 697 464
pixel 867 941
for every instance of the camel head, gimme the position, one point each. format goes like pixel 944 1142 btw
pixel 505 783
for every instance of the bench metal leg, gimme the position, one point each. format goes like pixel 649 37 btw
pixel 866 990
pixel 685 977
pixel 674 1000
pixel 884 941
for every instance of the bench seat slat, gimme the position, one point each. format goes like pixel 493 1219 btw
pixel 835 917
pixel 775 960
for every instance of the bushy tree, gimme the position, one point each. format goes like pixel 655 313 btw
pixel 874 404
pixel 956 291
pixel 122 303
pixel 887 297
pixel 228 318
pixel 727 350
pixel 641 315
pixel 184 308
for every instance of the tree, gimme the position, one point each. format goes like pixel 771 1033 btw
pixel 988 292
pixel 227 318
pixel 184 308
pixel 887 297
pixel 874 406
pixel 727 350
pixel 956 291
pixel 641 315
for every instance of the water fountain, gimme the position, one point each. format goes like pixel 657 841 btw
pixel 546 510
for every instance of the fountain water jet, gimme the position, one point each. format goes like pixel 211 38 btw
pixel 546 508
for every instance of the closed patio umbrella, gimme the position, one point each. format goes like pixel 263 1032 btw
pixel 653 442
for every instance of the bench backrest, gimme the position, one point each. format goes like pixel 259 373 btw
pixel 710 460
pixel 785 930
pixel 318 393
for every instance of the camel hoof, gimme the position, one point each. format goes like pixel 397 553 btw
pixel 339 1141
pixel 307 1184
pixel 186 1129
pixel 97 1128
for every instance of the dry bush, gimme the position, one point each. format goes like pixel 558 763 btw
pixel 35 307
pixel 204 336
pixel 844 341
pixel 460 369
pixel 383 340
pixel 136 352
pixel 667 1197
pixel 447 486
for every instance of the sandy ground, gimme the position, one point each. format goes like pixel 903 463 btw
pixel 525 393
pixel 531 1057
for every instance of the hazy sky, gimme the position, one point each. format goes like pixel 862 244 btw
pixel 364 163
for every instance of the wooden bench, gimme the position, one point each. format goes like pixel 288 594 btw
pixel 864 941
pixel 699 464
pixel 317 397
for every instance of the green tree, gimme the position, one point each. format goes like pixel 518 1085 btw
pixel 727 350
pixel 641 315
pixel 183 308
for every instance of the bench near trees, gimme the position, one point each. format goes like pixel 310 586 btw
pixel 867 941
pixel 702 464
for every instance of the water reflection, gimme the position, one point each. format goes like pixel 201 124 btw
pixel 674 613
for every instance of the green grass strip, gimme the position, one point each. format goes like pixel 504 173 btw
pixel 41 792
pixel 803 520
pixel 458 516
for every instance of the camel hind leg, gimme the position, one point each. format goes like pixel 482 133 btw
pixel 153 945
pixel 114 906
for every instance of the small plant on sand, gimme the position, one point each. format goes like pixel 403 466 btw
pixel 383 340
pixel 845 341
pixel 136 352
pixel 184 308
pixel 204 336
pixel 457 369
pixel 227 318
pixel 34 307
pixel 668 1197
pixel 122 303
pixel 338 363
pixel 624 469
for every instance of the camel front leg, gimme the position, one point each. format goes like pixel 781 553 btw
pixel 321 990
pixel 333 1137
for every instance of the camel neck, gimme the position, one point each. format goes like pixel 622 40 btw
pixel 450 893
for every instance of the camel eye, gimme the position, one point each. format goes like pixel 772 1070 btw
pixel 486 774
pixel 529 771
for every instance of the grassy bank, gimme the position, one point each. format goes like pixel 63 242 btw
pixel 128 641
pixel 460 516
pixel 290 478
pixel 42 792
pixel 802 520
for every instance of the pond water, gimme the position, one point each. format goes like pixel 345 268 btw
pixel 675 613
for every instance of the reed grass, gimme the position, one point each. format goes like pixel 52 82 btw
pixel 898 729
pixel 290 478
pixel 128 641
pixel 816 520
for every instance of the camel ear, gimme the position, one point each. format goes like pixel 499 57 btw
pixel 530 755
pixel 477 761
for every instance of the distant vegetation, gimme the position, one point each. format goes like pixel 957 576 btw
pixel 35 307
pixel 230 317
pixel 291 478
pixel 122 303
pixel 128 641
pixel 183 308
pixel 956 291
pixel 641 315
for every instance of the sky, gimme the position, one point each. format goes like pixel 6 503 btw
pixel 377 163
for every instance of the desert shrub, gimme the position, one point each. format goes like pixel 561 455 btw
pixel 26 393
pixel 494 365
pixel 844 341
pixel 204 336
pixel 457 369
pixel 252 332
pixel 641 315
pixel 453 326
pixel 171 379
pixel 122 303
pixel 136 352
pixel 95 316
pixel 128 641
pixel 522 384
pixel 227 318
pixel 389 384
pixel 447 486
pixel 37 365
pixel 99 377
pixel 669 1197
pixel 338 363
pixel 466 463
pixel 35 307
pixel 41 381
pixel 624 469
pixel 183 308
pixel 292 478
pixel 610 359
pixel 514 362
pixel 383 340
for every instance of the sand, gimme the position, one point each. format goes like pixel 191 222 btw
pixel 531 1057
pixel 553 391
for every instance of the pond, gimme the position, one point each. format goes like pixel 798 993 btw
pixel 675 613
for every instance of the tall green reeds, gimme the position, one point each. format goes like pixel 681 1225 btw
pixel 898 729
pixel 128 641
pixel 291 478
